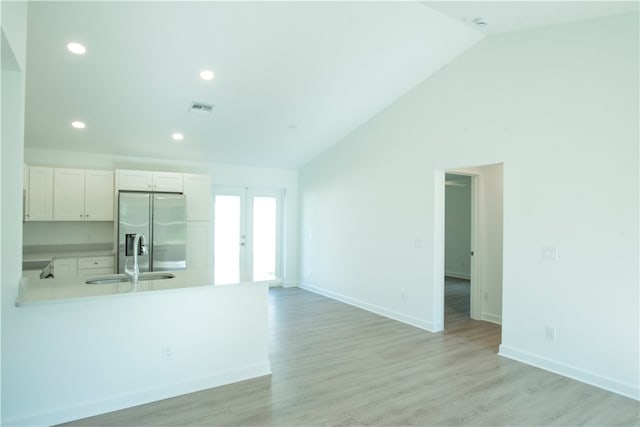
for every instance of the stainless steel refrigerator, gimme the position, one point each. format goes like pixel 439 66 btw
pixel 161 217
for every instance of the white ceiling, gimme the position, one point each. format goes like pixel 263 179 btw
pixel 505 16
pixel 292 78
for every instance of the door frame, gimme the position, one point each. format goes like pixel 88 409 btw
pixel 485 222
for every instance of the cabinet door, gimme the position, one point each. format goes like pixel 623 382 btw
pixel 68 195
pixel 97 262
pixel 40 198
pixel 198 245
pixel 197 191
pixel 65 267
pixel 98 199
pixel 167 181
pixel 95 266
pixel 134 180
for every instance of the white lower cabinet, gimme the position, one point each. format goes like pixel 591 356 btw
pixel 83 266
pixel 95 266
pixel 65 267
pixel 198 245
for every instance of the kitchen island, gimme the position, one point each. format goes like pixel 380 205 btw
pixel 90 349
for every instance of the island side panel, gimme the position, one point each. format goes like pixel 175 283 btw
pixel 87 358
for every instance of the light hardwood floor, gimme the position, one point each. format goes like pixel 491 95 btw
pixel 337 365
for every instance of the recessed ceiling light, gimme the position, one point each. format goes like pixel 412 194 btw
pixel 78 124
pixel 206 75
pixel 76 48
pixel 177 136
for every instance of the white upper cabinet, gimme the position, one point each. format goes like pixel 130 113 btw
pixel 197 191
pixel 40 195
pixel 68 195
pixel 82 195
pixel 98 190
pixel 168 181
pixel 135 180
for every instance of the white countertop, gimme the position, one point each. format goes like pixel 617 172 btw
pixel 48 291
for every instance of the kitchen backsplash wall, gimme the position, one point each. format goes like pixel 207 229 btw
pixel 67 233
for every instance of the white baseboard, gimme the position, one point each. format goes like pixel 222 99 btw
pixel 490 317
pixel 455 275
pixel 625 389
pixel 400 317
pixel 289 284
pixel 140 397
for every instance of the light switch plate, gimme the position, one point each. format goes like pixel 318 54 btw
pixel 550 253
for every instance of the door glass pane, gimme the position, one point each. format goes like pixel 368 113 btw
pixel 226 244
pixel 264 238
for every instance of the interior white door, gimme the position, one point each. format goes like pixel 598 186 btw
pixel 247 234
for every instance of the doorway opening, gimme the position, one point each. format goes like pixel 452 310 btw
pixel 458 251
pixel 481 239
pixel 247 236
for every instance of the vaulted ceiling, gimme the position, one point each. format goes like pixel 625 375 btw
pixel 291 78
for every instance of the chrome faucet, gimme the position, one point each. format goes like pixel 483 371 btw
pixel 134 273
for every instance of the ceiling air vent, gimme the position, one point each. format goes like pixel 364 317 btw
pixel 200 108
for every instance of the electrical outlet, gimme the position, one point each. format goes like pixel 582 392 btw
pixel 550 333
pixel 167 354
pixel 403 297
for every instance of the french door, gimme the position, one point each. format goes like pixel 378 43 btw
pixel 247 234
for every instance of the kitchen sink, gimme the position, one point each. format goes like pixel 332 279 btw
pixel 121 278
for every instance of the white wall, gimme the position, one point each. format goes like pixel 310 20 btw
pixel 221 174
pixel 558 106
pixel 457 244
pixel 13 37
pixel 38 233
